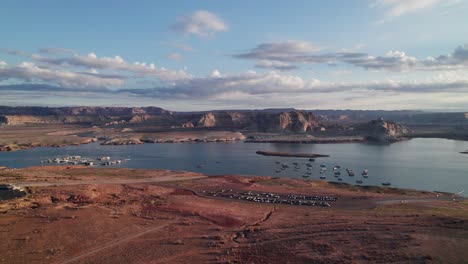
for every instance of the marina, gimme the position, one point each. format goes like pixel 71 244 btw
pixel 274 198
pixel 407 164
pixel 84 161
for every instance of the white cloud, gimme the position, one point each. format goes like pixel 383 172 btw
pixel 286 56
pixel 201 23
pixel 115 63
pixel 456 60
pixel 279 51
pixel 29 72
pixel 215 74
pixel 251 83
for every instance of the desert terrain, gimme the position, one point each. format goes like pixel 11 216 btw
pixel 26 127
pixel 86 215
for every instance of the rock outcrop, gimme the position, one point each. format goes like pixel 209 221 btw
pixel 293 121
pixel 383 131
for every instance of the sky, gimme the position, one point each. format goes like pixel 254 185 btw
pixel 203 55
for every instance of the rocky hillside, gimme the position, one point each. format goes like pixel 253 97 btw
pixel 293 121
pixel 290 121
pixel 380 130
pixel 77 115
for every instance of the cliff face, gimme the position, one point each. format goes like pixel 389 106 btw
pixel 297 121
pixel 294 121
pixel 77 115
pixel 384 131
pixel 225 119
pixel 81 111
pixel 13 120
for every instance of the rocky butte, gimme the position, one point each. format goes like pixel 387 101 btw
pixel 383 131
pixel 293 121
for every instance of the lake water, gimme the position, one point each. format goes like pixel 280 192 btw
pixel 426 164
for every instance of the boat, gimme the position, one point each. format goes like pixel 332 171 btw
pixel 323 166
pixel 350 172
pixel 365 172
pixel 386 183
pixel 305 176
pixel 359 181
pixel 337 173
pixel 278 171
pixel 200 166
pixel 323 177
pixel 312 160
pixel 340 179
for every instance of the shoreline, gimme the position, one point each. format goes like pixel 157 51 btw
pixel 111 212
pixel 17 147
pixel 24 185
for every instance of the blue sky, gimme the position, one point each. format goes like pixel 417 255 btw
pixel 378 54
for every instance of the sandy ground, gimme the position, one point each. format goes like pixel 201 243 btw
pixel 36 135
pixel 84 215
pixel 22 137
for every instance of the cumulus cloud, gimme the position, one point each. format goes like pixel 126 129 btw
pixel 259 89
pixel 457 59
pixel 392 60
pixel 29 72
pixel 288 55
pixel 92 61
pixel 201 23
pixel 254 84
pixel 291 50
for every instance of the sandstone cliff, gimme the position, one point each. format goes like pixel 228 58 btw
pixel 380 130
pixel 293 121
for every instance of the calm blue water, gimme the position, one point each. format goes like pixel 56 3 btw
pixel 426 164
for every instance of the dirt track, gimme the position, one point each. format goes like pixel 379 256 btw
pixel 84 215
